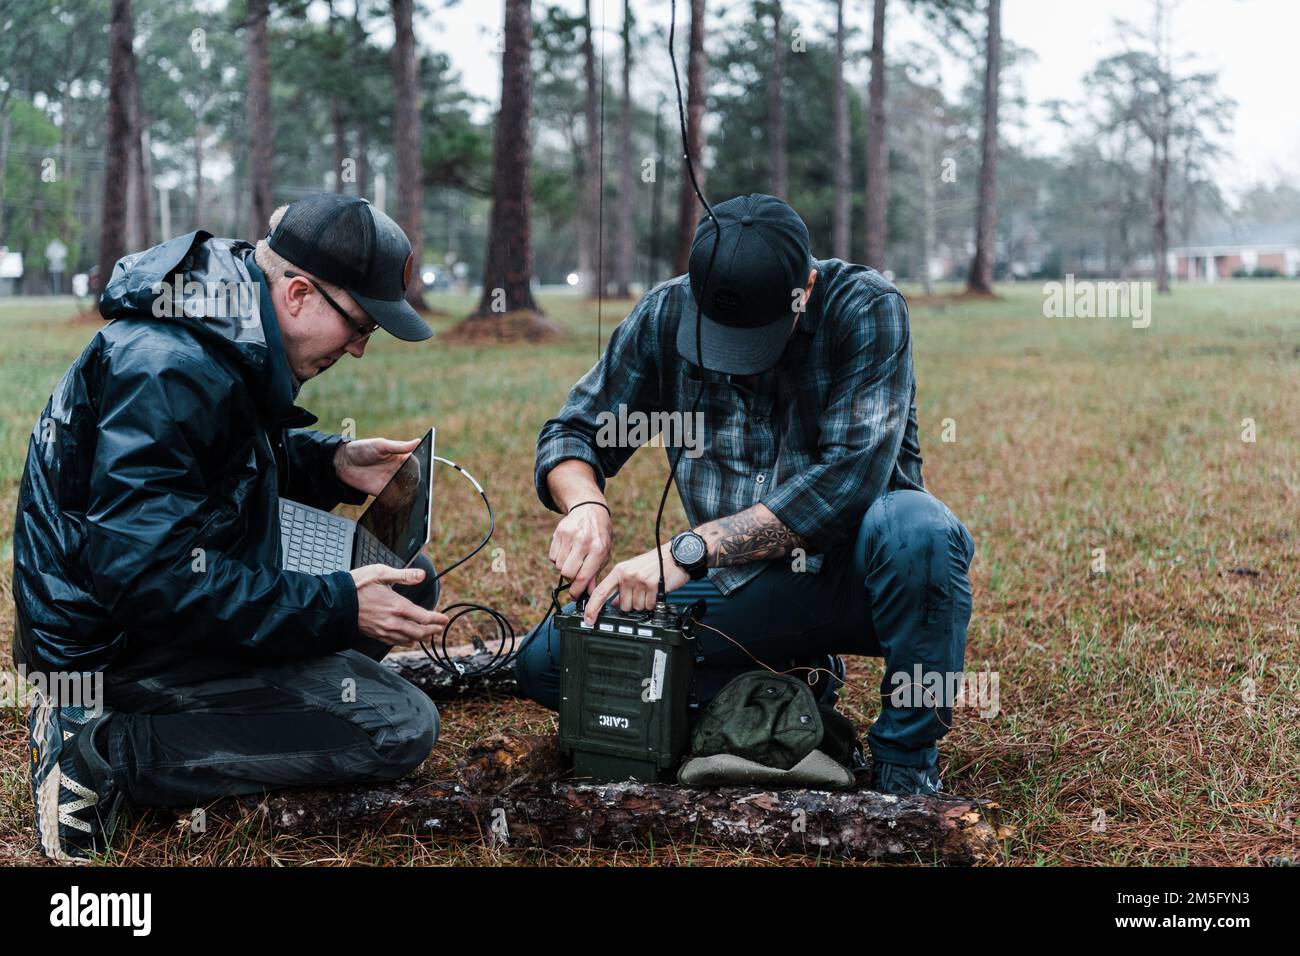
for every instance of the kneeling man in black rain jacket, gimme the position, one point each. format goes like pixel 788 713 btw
pixel 147 555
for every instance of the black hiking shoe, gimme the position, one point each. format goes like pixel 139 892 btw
pixel 905 781
pixel 75 813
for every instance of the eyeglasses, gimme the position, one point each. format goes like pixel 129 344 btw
pixel 361 333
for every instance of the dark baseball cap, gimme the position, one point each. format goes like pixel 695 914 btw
pixel 347 242
pixel 747 310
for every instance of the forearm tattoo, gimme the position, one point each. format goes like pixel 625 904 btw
pixel 754 534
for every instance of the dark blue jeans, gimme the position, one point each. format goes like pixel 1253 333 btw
pixel 899 591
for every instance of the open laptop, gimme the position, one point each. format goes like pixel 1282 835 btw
pixel 392 531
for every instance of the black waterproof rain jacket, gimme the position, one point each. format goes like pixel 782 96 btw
pixel 148 516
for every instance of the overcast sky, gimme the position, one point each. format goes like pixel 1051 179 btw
pixel 1251 43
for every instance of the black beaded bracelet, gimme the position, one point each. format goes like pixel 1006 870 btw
pixel 593 502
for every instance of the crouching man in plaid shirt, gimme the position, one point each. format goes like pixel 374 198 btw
pixel 810 531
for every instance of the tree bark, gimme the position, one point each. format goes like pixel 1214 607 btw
pixel 1160 150
pixel 929 206
pixel 981 267
pixel 143 210
pixel 117 146
pixel 1160 200
pixel 440 685
pixel 877 188
pixel 138 215
pixel 259 115
pixel 508 791
pixel 589 246
pixel 4 148
pixel 200 132
pixel 69 173
pixel 363 161
pixel 146 177
pixel 778 162
pixel 656 198
pixel 340 137
pixel 688 207
pixel 407 138
pixel 625 230
pixel 362 131
pixel 841 230
pixel 509 262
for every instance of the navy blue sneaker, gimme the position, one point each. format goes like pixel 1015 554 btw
pixel 76 814
pixel 905 781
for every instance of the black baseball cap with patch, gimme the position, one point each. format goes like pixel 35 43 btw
pixel 347 242
pixel 746 311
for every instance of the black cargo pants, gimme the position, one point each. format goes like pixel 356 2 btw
pixel 181 735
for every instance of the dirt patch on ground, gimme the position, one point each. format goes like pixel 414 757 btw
pixel 522 325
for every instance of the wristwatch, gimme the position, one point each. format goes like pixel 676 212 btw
pixel 691 554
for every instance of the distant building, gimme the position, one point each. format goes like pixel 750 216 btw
pixel 1245 248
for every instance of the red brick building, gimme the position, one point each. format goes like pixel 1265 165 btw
pixel 1249 248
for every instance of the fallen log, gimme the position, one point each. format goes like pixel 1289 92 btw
pixel 442 685
pixel 509 791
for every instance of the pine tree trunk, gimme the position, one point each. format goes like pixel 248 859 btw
pixel 69 171
pixel 199 132
pixel 624 248
pixel 132 167
pixel 146 177
pixel 406 141
pixel 363 162
pixel 362 131
pixel 929 206
pixel 340 137
pixel 1161 202
pixel 877 198
pixel 841 235
pixel 981 267
pixel 4 148
pixel 138 176
pixel 1160 151
pixel 508 272
pixel 116 145
pixel 688 206
pixel 778 163
pixel 589 246
pixel 260 135
pixel 653 274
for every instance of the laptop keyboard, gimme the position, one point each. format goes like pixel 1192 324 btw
pixel 311 542
pixel 370 551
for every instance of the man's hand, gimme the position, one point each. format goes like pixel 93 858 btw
pixel 581 544
pixel 637 583
pixel 384 614
pixel 367 464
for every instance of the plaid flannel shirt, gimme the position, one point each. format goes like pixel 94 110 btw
pixel 817 440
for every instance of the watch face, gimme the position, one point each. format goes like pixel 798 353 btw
pixel 689 549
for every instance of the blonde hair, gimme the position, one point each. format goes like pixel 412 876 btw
pixel 268 260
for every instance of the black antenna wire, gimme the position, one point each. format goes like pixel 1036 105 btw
pixel 662 595
pixel 600 215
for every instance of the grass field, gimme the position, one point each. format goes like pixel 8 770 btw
pixel 1149 714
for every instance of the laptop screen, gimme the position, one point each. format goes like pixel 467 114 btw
pixel 399 516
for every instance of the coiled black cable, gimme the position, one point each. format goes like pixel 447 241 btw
pixel 505 645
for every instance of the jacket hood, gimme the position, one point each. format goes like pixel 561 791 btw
pixel 214 289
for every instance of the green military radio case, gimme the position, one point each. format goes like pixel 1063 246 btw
pixel 625 692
